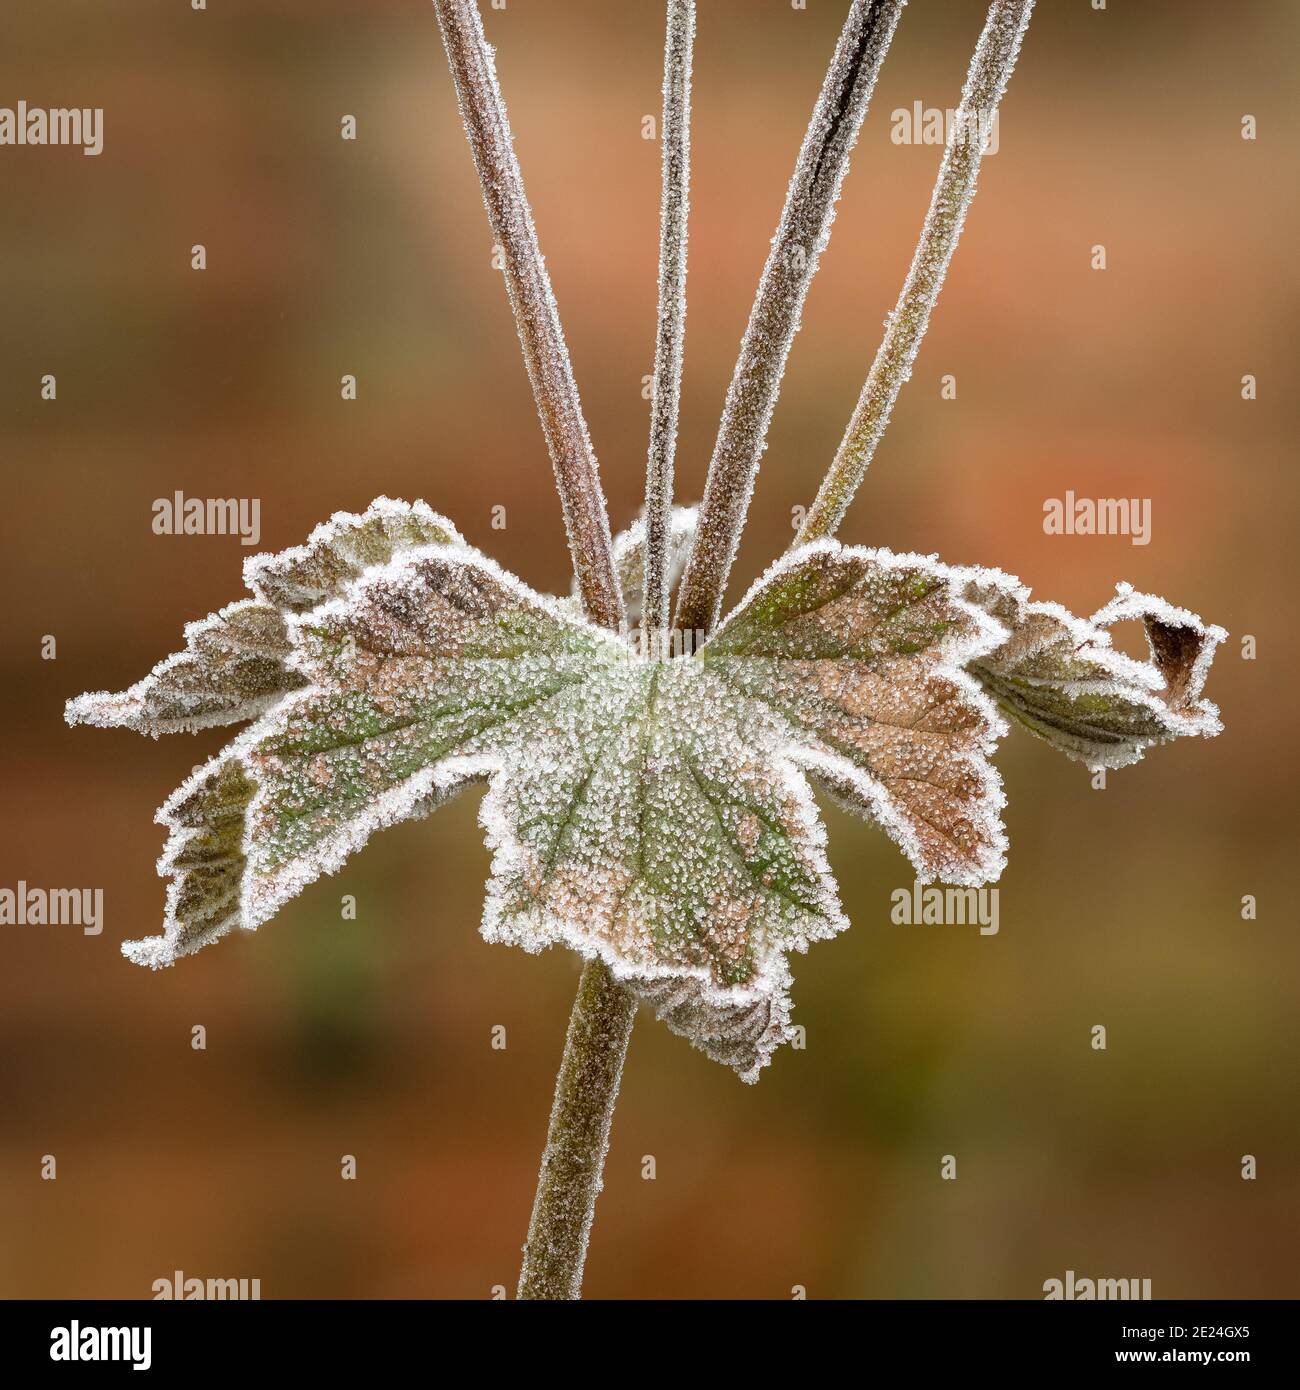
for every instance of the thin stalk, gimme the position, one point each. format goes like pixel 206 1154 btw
pixel 596 1044
pixel 800 238
pixel 537 319
pixel 990 68
pixel 666 389
pixel 574 1160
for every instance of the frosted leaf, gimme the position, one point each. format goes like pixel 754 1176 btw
pixel 343 548
pixel 629 558
pixel 860 653
pixel 741 1032
pixel 204 859
pixel 654 813
pixel 234 666
pixel 1060 677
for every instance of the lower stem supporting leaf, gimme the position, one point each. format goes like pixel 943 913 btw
pixel 576 1142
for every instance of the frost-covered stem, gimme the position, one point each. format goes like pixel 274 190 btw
pixel 536 317
pixel 587 1085
pixel 990 68
pixel 574 1159
pixel 800 238
pixel 666 389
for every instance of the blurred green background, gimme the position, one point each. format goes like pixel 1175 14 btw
pixel 329 1037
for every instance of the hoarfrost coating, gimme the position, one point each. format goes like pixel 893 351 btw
pixel 657 814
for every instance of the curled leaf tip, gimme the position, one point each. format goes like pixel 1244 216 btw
pixel 1060 677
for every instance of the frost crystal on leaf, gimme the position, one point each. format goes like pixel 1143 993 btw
pixel 1059 676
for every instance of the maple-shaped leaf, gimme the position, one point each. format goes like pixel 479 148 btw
pixel 235 662
pixel 656 813
pixel 1060 677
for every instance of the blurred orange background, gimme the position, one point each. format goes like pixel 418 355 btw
pixel 1122 127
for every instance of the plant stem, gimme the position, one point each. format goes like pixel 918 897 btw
pixel 537 319
pixel 800 238
pixel 601 1023
pixel 990 68
pixel 666 390
pixel 578 1137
